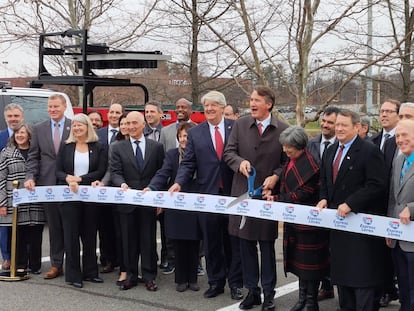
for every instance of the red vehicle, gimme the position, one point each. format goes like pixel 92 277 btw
pixel 168 117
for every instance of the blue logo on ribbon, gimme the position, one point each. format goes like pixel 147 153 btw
pixel 289 209
pixel 394 224
pixel 367 220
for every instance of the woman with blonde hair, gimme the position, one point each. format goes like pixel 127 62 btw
pixel 80 161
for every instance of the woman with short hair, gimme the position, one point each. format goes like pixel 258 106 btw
pixel 305 248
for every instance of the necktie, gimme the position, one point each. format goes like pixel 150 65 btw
pixel 335 166
pixel 56 137
pixel 114 132
pixel 219 142
pixel 219 148
pixel 138 155
pixel 326 143
pixel 260 128
pixel 404 169
pixel 386 137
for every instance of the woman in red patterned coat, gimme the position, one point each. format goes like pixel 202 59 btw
pixel 305 248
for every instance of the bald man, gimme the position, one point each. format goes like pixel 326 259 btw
pixel 133 163
pixel 401 206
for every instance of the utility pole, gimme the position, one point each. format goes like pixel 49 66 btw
pixel 369 101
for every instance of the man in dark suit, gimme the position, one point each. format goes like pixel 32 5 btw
pixel 106 223
pixel 385 141
pixel 401 206
pixel 13 115
pixel 320 143
pixel 317 147
pixel 254 141
pixel 353 180
pixel 41 171
pixel 133 163
pixel 203 156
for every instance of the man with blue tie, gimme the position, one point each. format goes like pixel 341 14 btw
pixel 41 171
pixel 133 163
pixel 13 115
pixel 401 206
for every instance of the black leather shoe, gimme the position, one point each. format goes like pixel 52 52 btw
pixel 96 279
pixel 268 303
pixel 213 291
pixel 236 293
pixel 127 284
pixel 108 268
pixel 76 284
pixel 119 283
pixel 252 299
pixel 386 299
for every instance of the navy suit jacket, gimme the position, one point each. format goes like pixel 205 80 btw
pixel 4 138
pixel 103 136
pixel 200 157
pixel 357 259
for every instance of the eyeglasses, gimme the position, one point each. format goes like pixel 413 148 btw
pixel 386 111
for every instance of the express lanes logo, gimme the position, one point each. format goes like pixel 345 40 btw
pixel 367 225
pixel 200 203
pixel 266 210
pixel 289 213
pixel 393 229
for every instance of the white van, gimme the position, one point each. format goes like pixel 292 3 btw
pixel 33 101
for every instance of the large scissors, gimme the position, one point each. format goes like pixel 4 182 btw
pixel 251 193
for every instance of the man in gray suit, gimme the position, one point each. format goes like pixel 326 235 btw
pixel 41 171
pixel 183 112
pixel 401 206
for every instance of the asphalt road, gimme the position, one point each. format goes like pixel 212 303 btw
pixel 39 294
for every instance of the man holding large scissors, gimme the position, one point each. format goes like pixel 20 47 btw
pixel 254 141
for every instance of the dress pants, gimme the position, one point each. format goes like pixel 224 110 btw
pixel 29 247
pixel 138 229
pixel 118 239
pixel 235 274
pixel 404 268
pixel 5 240
pixel 357 299
pixel 186 260
pixel 106 230
pixel 80 220
pixel 250 265
pixel 54 221
pixel 214 235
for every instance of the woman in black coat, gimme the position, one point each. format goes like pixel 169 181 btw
pixel 305 248
pixel 80 161
pixel 180 226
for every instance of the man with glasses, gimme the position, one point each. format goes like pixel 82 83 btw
pixel 385 140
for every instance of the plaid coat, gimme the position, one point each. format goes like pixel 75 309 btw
pixel 305 248
pixel 13 167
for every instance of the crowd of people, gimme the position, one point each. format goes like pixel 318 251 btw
pixel 343 168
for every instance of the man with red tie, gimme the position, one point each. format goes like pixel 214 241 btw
pixel 203 156
pixel 353 180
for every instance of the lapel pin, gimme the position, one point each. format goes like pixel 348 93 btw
pixel 348 158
